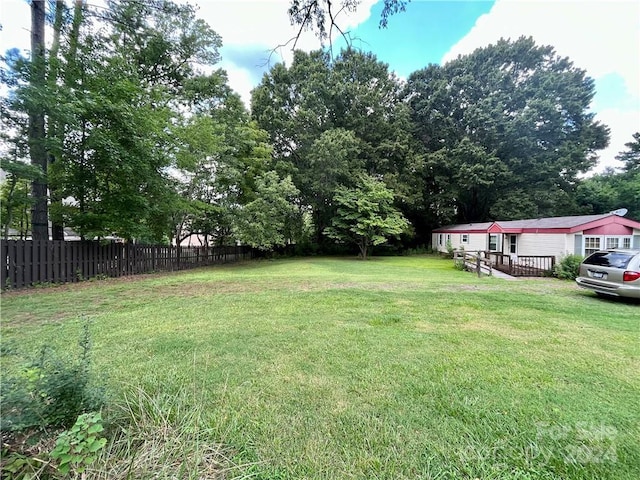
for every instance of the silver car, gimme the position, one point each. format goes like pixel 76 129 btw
pixel 612 272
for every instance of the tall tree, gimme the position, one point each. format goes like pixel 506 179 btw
pixel 511 120
pixel 613 189
pixel 631 156
pixel 126 83
pixel 55 127
pixel 330 120
pixel 37 150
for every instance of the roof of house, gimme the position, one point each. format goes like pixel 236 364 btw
pixel 569 224
pixel 553 222
pixel 466 227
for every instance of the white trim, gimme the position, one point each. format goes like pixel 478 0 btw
pixel 513 242
pixel 605 242
pixel 496 244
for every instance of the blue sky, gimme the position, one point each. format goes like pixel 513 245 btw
pixel 600 36
pixel 421 35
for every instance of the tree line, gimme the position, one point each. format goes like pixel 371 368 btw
pixel 124 126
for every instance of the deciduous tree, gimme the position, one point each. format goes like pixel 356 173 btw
pixel 524 111
pixel 365 215
pixel 331 120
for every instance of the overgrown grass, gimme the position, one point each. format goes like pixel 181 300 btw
pixel 398 367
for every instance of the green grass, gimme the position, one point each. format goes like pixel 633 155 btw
pixel 398 367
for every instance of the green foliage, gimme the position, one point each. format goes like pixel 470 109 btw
pixel 631 156
pixel 77 448
pixel 113 97
pixel 450 250
pixel 267 221
pixel 15 206
pixel 331 120
pixel 568 267
pixel 366 216
pixel 161 432
pixel 459 264
pixel 50 391
pixel 507 123
pixel 419 250
pixel 612 189
pixel 16 466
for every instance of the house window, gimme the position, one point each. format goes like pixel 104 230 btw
pixel 612 242
pixel 591 245
pixel 440 239
pixel 513 244
pixel 626 242
pixel 448 238
pixel 493 243
pixel 464 238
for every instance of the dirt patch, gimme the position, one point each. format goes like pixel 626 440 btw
pixel 54 288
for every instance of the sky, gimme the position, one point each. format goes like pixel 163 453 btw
pixel 601 37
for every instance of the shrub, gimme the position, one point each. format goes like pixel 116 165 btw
pixel 568 267
pixel 459 264
pixel 450 250
pixel 49 391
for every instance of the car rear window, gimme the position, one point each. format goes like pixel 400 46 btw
pixel 610 259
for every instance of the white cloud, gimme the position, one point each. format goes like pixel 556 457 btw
pixel 240 80
pixel 264 22
pixel 264 25
pixel 623 125
pixel 601 37
pixel 15 19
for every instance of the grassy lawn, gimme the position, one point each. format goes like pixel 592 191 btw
pixel 394 368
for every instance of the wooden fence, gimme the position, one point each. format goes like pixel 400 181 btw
pixel 26 263
pixel 474 261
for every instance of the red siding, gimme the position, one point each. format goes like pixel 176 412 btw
pixel 611 229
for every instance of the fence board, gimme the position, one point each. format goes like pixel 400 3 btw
pixel 4 268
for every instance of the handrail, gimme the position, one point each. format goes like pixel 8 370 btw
pixel 523 265
pixel 474 260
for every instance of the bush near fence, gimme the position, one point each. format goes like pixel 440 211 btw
pixel 26 263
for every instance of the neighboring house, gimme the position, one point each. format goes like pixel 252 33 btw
pixel 556 236
pixel 69 235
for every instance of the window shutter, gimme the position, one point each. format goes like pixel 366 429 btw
pixel 577 249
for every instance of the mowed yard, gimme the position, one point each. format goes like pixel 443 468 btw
pixel 392 368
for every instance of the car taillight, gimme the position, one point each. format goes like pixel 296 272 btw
pixel 629 276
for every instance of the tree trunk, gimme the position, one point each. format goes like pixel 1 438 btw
pixel 54 130
pixel 37 151
pixel 362 245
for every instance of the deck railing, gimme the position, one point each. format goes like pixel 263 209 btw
pixel 474 260
pixel 523 265
pixel 483 262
